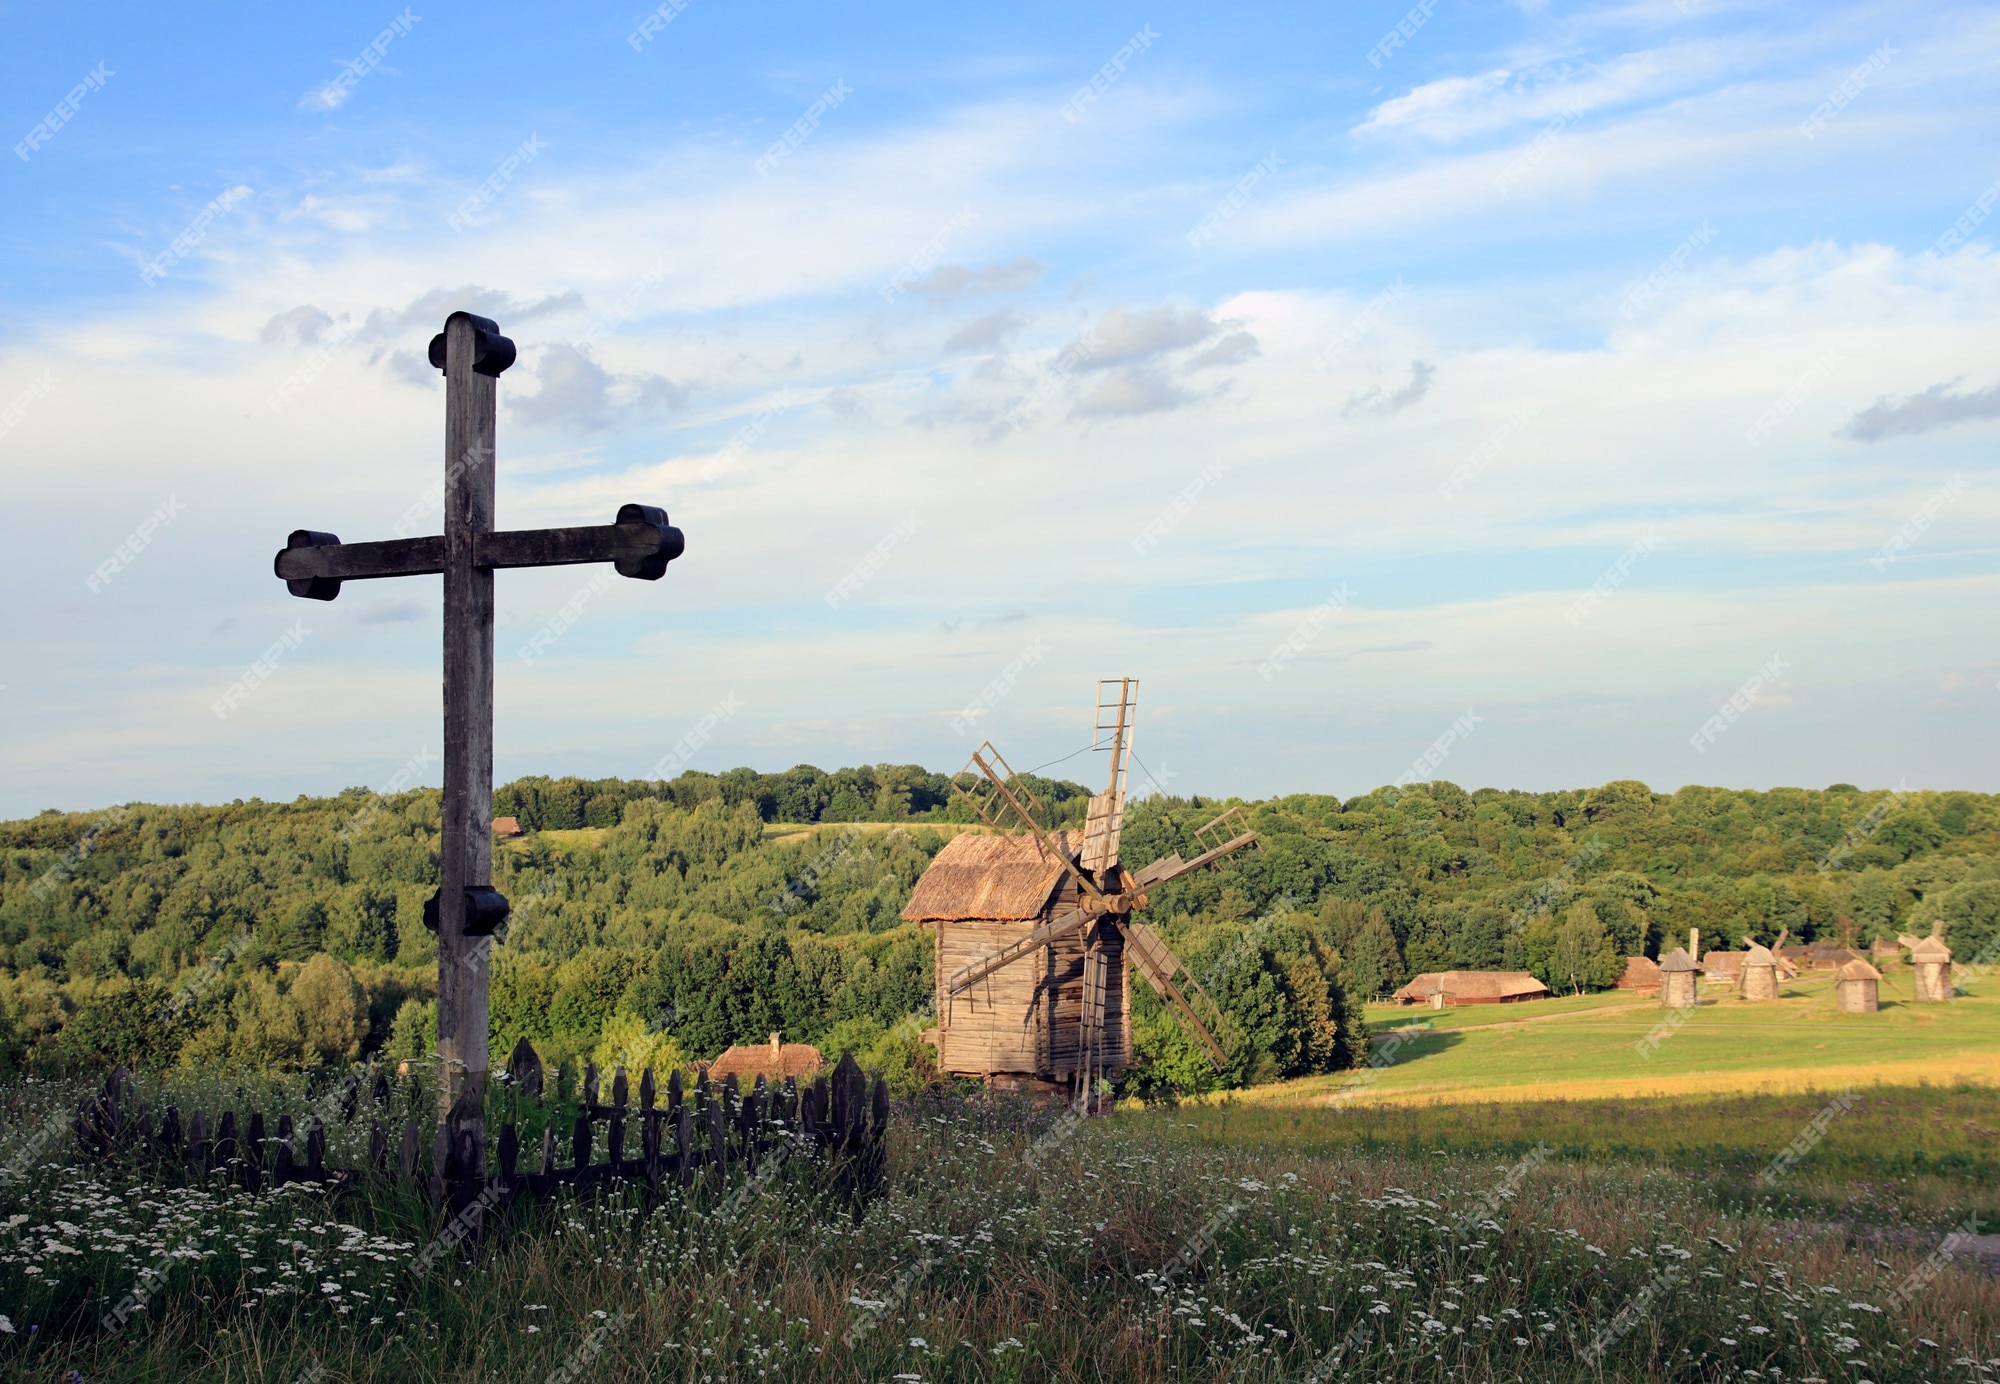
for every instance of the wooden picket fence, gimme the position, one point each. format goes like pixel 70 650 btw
pixel 697 1140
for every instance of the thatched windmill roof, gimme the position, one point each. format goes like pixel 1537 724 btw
pixel 1678 960
pixel 1930 949
pixel 1858 969
pixel 1001 878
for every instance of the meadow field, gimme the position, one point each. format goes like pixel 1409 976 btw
pixel 1598 1045
pixel 1452 1215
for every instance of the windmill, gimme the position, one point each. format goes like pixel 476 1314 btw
pixel 1763 968
pixel 1035 930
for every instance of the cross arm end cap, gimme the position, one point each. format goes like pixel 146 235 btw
pixel 311 588
pixel 492 353
pixel 669 543
pixel 486 908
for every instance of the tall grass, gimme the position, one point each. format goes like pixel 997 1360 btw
pixel 1014 1245
pixel 1886 1153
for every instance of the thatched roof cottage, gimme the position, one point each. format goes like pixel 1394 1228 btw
pixel 1441 988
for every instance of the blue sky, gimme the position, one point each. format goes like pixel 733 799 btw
pixel 1559 373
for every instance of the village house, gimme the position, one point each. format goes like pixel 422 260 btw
pixel 1642 976
pixel 774 1060
pixel 1723 967
pixel 1440 989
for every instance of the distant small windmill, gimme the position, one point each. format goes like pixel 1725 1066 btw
pixel 1930 961
pixel 1763 968
pixel 1035 933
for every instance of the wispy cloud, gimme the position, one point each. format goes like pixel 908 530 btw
pixel 949 281
pixel 1125 336
pixel 1381 403
pixel 1128 393
pixel 1450 109
pixel 1940 406
pixel 983 332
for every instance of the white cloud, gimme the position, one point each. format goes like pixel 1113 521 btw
pixel 958 280
pixel 1438 108
pixel 1123 336
pixel 573 389
pixel 321 99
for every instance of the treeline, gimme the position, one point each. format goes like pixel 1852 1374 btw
pixel 660 922
pixel 872 793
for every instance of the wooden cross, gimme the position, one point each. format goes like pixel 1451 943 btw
pixel 467 909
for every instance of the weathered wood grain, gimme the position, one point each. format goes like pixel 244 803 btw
pixel 466 854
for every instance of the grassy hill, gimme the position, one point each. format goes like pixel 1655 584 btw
pixel 1591 1045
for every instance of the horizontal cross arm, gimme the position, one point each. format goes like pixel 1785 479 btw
pixel 621 543
pixel 640 545
pixel 315 564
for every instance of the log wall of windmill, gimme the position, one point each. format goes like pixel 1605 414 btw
pixel 1000 1023
pixel 1025 1018
pixel 1932 980
pixel 1066 1010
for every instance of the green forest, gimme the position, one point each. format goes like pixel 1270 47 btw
pixel 658 922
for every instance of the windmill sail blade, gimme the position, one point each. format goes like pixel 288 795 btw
pixel 1172 867
pixel 1226 834
pixel 1156 961
pixel 1117 709
pixel 1160 871
pixel 966 977
pixel 1101 830
pixel 1002 801
pixel 1007 804
pixel 1231 825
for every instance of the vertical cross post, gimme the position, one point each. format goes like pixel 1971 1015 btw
pixel 467 845
pixel 467 912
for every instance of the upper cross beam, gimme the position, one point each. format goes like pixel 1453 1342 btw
pixel 641 544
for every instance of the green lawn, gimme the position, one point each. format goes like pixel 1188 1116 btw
pixel 1900 1109
pixel 1598 1045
